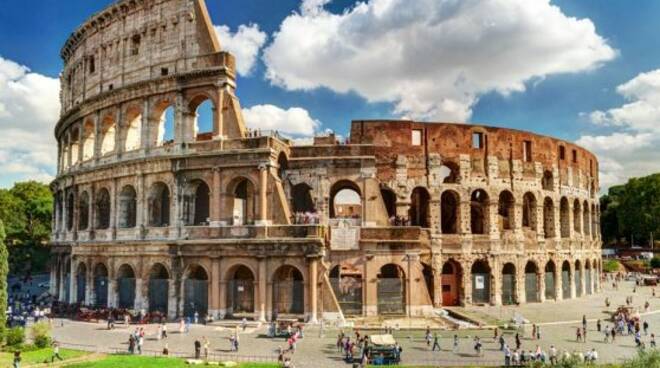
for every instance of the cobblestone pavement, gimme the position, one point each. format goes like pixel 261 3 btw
pixel 559 321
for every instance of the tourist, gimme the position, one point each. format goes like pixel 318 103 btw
pixel 436 342
pixel 584 321
pixel 365 360
pixel 638 339
pixel 553 355
pixel 428 336
pixel 515 358
pixel 518 343
pixel 56 352
pixel 538 332
pixel 507 356
pixel 646 328
pixel 131 344
pixel 598 325
pixel 613 334
pixel 164 330
pixel 198 348
pixel 140 343
pixel 166 350
pixel 340 341
pixel 455 346
pixel 182 326
pixel 501 342
pixel 17 359
pixel 578 335
pixel 477 346
pixel 206 348
pixel 653 341
pixel 606 332
pixel 533 331
pixel 244 323
pixel 196 316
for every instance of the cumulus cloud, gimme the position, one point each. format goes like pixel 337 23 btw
pixel 633 147
pixel 431 58
pixel 244 44
pixel 294 121
pixel 29 108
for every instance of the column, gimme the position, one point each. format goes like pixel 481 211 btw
pixel 467 284
pixel 263 200
pixel 262 289
pixel 171 297
pixel 313 289
pixel 541 285
pixel 559 282
pixel 145 134
pixel 496 276
pixel 72 281
pixel 215 198
pixel 214 306
pixel 572 279
pixel 89 285
pixel 112 284
pixel 464 223
pixel 139 298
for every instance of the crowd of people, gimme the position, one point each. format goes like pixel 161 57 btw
pixel 305 218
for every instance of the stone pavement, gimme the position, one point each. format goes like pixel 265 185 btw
pixel 559 321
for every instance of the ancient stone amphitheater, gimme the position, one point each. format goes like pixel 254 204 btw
pixel 154 213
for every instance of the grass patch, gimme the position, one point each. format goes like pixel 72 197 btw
pixel 136 361
pixel 38 356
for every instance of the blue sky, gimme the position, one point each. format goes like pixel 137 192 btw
pixel 575 98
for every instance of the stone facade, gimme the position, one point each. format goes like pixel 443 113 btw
pixel 235 223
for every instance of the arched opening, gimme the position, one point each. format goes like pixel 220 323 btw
pixel 81 283
pixel 566 280
pixel 244 204
pixel 427 271
pixel 83 211
pixel 159 288
pixel 203 114
pixel 126 287
pixel 594 222
pixel 103 209
pixel 547 183
pixel 302 202
pixel 345 200
pixel 133 129
pixel 108 131
pixel 505 210
pixel 75 148
pixel 70 205
pixel 550 282
pixel 288 291
pixel 159 205
pixel 548 218
pixel 578 279
pixel 346 281
pixel 196 201
pixel 564 218
pixel 419 207
pixel 389 199
pixel 587 278
pixel 391 290
pixel 165 129
pixel 282 166
pixel 89 135
pixel 532 283
pixel 529 211
pixel 196 286
pixel 452 274
pixel 480 282
pixel 240 295
pixel 509 284
pixel 65 163
pixel 449 212
pixel 127 207
pixel 577 217
pixel 100 285
pixel 479 212
pixel 450 171
pixel 585 220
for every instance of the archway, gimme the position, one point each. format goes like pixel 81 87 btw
pixel 196 201
pixel 451 172
pixel 127 207
pixel 577 217
pixel 83 211
pixel 449 212
pixel 548 218
pixel 203 111
pixel 566 280
pixel 75 148
pixel 389 199
pixel 81 283
pixel 505 210
pixel 159 288
pixel 196 291
pixel 479 212
pixel 301 196
pixel 346 282
pixel 240 294
pixel 108 131
pixel 550 282
pixel 564 220
pixel 288 291
pixel 244 204
pixel 480 282
pixel 391 290
pixel 89 136
pixel 578 278
pixel 532 283
pixel 509 284
pixel 103 209
pixel 427 271
pixel 345 200
pixel 100 285
pixel 547 182
pixel 164 117
pixel 452 274
pixel 282 165
pixel 529 211
pixel 159 205
pixel 133 129
pixel 419 207
pixel 125 287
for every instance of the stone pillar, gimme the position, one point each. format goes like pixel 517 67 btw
pixel 435 222
pixel 145 133
pixel 112 284
pixel 89 285
pixel 464 225
pixel 467 284
pixel 496 276
pixel 215 199
pixel 370 289
pixel 80 142
pixel 141 207
pixel 222 298
pixel 262 289
pixel 572 279
pixel 214 306
pixel 171 298
pixel 541 285
pixel 409 282
pixel 436 261
pixel 72 281
pixel 139 298
pixel 492 225
pixel 62 279
pixel 520 283
pixel 313 289
pixel 52 289
pixel 263 195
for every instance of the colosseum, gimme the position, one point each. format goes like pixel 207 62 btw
pixel 154 213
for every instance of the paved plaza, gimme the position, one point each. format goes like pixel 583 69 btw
pixel 558 321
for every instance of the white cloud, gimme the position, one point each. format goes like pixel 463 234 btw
pixel 294 121
pixel 633 147
pixel 29 108
pixel 244 45
pixel 431 58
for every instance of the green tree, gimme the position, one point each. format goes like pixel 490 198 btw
pixel 4 271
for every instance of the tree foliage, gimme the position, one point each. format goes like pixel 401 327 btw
pixel 26 210
pixel 632 209
pixel 4 271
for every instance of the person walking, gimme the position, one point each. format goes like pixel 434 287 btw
pixel 428 337
pixel 198 348
pixel 17 359
pixel 518 343
pixel 436 342
pixel 56 352
pixel 455 346
pixel 578 335
pixel 646 328
pixel 140 343
pixel 507 356
pixel 502 342
pixel 164 330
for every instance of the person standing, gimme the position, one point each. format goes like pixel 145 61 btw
pixel 507 356
pixel 598 325
pixel 455 346
pixel 518 343
pixel 17 359
pixel 198 348
pixel 206 348
pixel 164 330
pixel 646 328
pixel 502 342
pixel 140 343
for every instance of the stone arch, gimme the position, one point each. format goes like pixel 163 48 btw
pixel 242 191
pixel 547 183
pixel 389 200
pixel 345 200
pixel 89 137
pixel 479 212
pixel 449 212
pixel 100 285
pixel 548 218
pixel 550 280
pixel 481 281
pixel 301 198
pixel 532 282
pixel 102 215
pixel 577 216
pixel 195 291
pixel 74 145
pixel 163 116
pixel 127 207
pixel 83 211
pixel 159 205
pixel 509 284
pixel 529 211
pixel 452 276
pixel 391 289
pixel 419 207
pixel 282 165
pixel 125 286
pixel 566 279
pixel 241 290
pixel 196 203
pixel 564 218
pixel 203 112
pixel 81 282
pixel 159 288
pixel 288 290
pixel 132 132
pixel 451 171
pixel 108 132
pixel 346 281
pixel 505 210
